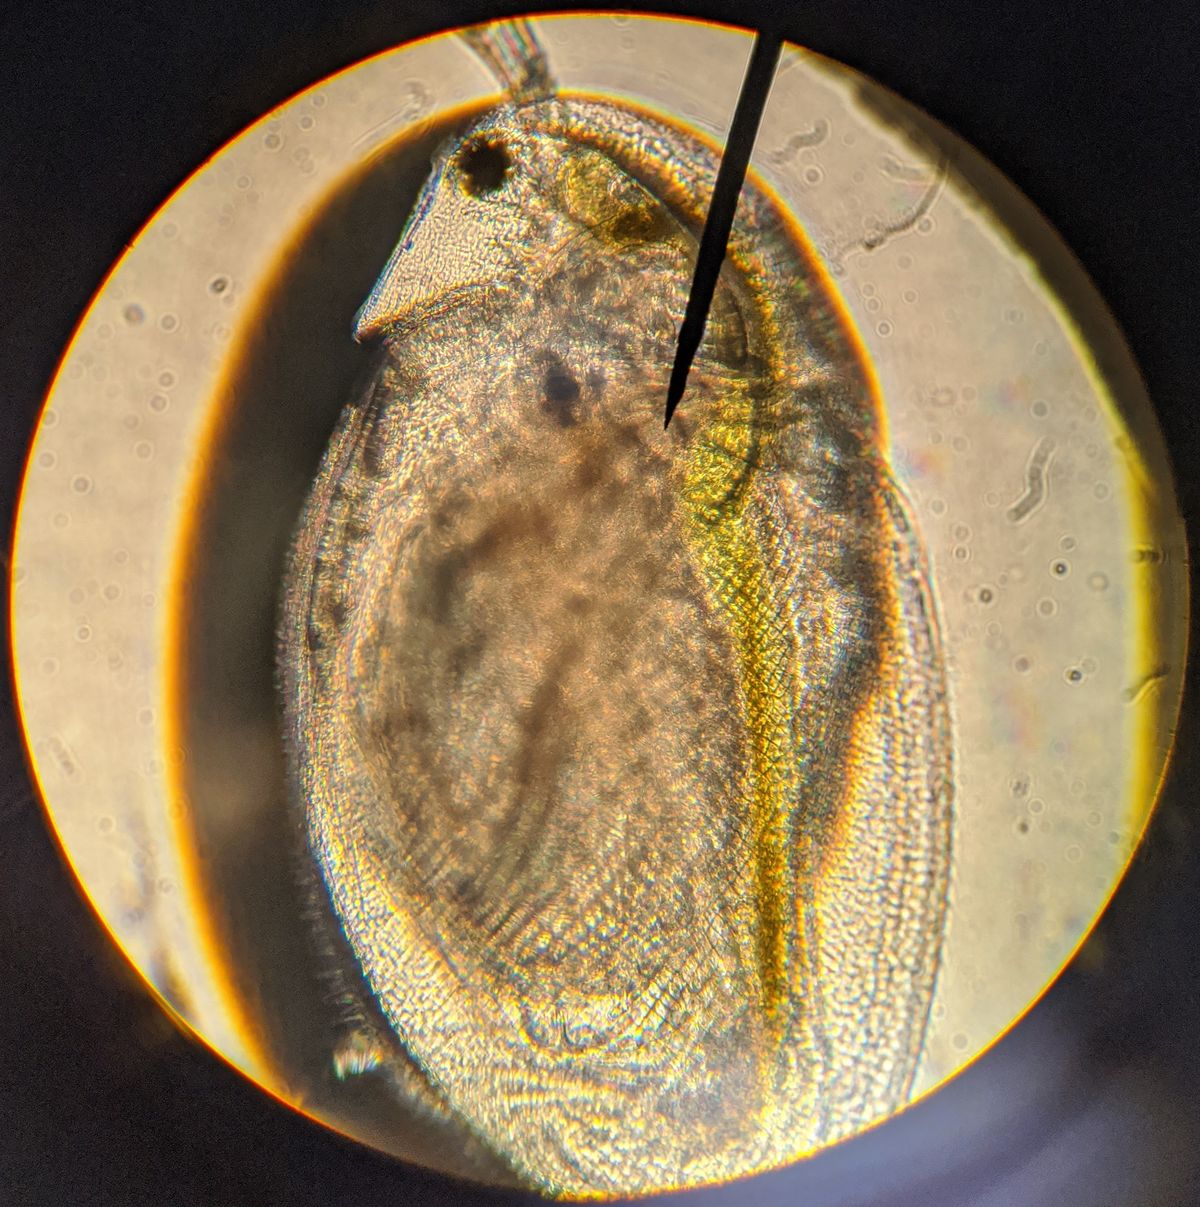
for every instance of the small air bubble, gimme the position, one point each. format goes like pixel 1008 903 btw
pixel 218 285
pixel 1060 568
pixel 1073 675
pixel 986 595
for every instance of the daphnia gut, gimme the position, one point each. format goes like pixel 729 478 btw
pixel 623 755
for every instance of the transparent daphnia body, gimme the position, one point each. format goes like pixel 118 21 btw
pixel 623 755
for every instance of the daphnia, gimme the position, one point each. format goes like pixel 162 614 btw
pixel 623 755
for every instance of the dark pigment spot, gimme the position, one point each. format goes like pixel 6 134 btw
pixel 560 393
pixel 484 164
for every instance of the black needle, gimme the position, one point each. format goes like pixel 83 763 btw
pixel 717 225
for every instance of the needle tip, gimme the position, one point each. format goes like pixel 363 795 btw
pixel 674 394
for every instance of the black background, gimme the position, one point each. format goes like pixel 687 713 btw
pixel 1090 108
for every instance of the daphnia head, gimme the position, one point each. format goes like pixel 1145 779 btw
pixel 506 199
pixel 504 202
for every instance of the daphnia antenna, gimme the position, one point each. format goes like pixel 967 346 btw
pixel 511 52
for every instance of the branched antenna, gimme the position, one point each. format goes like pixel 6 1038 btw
pixel 511 52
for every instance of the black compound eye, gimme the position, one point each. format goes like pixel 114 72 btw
pixel 483 165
